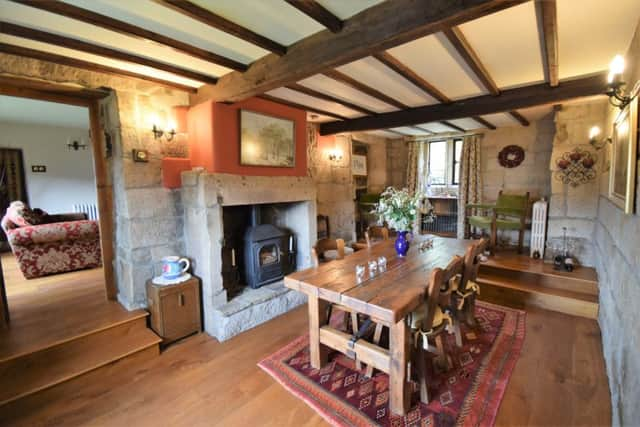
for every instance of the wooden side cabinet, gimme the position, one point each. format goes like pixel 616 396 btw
pixel 175 309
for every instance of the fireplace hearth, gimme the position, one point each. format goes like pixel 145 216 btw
pixel 269 252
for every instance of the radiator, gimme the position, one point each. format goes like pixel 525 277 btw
pixel 539 227
pixel 88 208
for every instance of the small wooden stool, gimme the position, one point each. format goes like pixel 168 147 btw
pixel 175 309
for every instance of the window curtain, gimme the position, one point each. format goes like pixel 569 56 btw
pixel 470 187
pixel 417 168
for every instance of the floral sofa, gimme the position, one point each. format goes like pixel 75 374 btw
pixel 61 243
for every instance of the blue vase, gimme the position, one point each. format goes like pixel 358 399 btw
pixel 402 243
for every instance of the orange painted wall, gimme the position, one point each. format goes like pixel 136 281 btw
pixel 214 140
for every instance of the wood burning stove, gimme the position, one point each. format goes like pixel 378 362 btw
pixel 269 252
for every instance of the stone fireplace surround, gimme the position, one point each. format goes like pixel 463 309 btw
pixel 204 195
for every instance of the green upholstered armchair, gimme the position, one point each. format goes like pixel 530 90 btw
pixel 508 213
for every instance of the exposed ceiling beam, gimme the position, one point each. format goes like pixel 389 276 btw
pixel 452 126
pixel 69 43
pixel 321 95
pixel 394 131
pixel 508 100
pixel 484 122
pixel 392 62
pixel 301 106
pixel 85 65
pixel 358 85
pixel 70 11
pixel 519 117
pixel 423 129
pixel 546 15
pixel 318 13
pixel 209 18
pixel 375 29
pixel 462 46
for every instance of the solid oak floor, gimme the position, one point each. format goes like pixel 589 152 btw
pixel 559 380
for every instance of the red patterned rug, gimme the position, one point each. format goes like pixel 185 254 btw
pixel 469 393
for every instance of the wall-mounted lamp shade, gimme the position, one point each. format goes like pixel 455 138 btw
pixel 594 132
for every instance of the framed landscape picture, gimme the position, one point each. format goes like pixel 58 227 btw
pixel 266 140
pixel 622 175
pixel 359 165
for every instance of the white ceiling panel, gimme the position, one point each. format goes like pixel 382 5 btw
pixel 410 131
pixel 140 69
pixel 273 19
pixel 162 20
pixel 536 113
pixel 434 59
pixel 508 45
pixel 23 110
pixel 301 98
pixel 437 127
pixel 329 86
pixel 384 134
pixel 50 22
pixel 592 33
pixel 500 119
pixel 373 73
pixel 466 123
pixel 346 9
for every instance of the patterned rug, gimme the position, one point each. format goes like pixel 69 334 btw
pixel 469 393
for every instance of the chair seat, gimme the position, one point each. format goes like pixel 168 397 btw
pixel 484 222
pixel 417 317
pixel 332 254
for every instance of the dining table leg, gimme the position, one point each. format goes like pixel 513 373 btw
pixel 399 385
pixel 318 352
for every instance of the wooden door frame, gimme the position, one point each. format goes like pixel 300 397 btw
pixel 89 98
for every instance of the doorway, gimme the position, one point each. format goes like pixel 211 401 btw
pixel 12 184
pixel 95 142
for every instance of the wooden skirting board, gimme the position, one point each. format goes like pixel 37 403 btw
pixel 520 281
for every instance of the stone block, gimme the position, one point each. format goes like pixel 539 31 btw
pixel 151 202
pixel 582 201
pixel 136 175
pixel 152 231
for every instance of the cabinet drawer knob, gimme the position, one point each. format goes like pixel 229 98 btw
pixel 181 299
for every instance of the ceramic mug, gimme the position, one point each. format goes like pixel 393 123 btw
pixel 172 268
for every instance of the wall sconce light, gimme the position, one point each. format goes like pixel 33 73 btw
pixel 335 155
pixel 593 139
pixel 76 145
pixel 617 96
pixel 168 134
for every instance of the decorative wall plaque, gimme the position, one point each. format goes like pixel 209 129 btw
pixel 576 167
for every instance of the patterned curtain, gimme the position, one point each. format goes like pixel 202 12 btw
pixel 412 165
pixel 423 166
pixel 470 189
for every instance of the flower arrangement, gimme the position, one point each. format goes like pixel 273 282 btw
pixel 399 208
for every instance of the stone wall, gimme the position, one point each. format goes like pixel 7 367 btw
pixel 397 161
pixel 532 175
pixel 575 207
pixel 617 255
pixel 377 178
pixel 147 217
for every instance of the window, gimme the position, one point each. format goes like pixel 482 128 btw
pixel 457 154
pixel 444 162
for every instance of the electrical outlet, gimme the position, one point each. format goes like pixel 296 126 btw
pixel 38 168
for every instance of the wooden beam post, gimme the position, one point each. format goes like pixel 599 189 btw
pixel 315 11
pixel 508 100
pixel 546 15
pixel 378 28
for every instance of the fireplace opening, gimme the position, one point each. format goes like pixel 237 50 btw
pixel 256 251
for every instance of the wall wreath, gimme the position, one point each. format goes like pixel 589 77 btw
pixel 511 156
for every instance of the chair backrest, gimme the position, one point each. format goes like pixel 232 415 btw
pixel 323 226
pixel 437 279
pixel 513 201
pixel 375 233
pixel 472 262
pixel 323 245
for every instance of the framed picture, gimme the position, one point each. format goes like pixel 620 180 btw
pixel 622 175
pixel 266 140
pixel 359 165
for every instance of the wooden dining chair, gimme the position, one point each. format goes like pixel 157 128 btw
pixel 457 296
pixel 429 321
pixel 328 250
pixel 374 234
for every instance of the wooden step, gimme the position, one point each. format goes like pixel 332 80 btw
pixel 25 374
pixel 522 290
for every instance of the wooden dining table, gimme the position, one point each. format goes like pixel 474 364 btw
pixel 387 297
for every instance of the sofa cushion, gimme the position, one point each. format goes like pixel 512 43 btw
pixel 56 232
